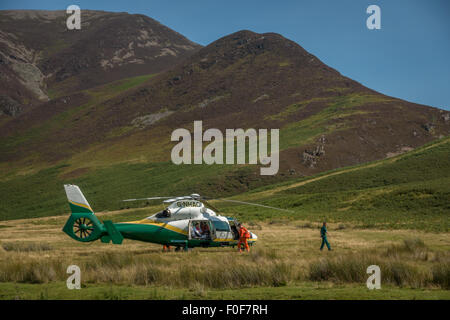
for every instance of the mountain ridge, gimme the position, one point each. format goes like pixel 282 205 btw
pixel 42 59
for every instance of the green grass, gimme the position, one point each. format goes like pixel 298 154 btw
pixel 301 291
pixel 410 193
pixel 320 123
pixel 119 86
pixel 106 187
pixel 289 110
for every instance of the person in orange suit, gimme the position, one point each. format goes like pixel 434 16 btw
pixel 166 248
pixel 244 234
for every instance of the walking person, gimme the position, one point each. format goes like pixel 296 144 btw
pixel 244 234
pixel 323 234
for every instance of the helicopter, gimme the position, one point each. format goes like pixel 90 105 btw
pixel 184 223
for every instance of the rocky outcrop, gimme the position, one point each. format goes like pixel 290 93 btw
pixel 9 106
pixel 311 157
pixel 446 117
pixel 262 97
pixel 149 119
pixel 39 55
pixel 19 70
pixel 207 101
pixel 429 127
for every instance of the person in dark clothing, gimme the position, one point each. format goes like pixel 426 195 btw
pixel 323 234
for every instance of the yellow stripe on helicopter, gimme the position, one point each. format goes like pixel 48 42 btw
pixel 81 205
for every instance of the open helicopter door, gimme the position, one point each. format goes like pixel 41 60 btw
pixel 200 230
pixel 222 230
pixel 234 229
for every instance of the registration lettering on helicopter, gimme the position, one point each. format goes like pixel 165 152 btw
pixel 184 204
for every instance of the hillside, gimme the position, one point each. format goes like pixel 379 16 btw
pixel 113 139
pixel 242 80
pixel 40 59
pixel 409 191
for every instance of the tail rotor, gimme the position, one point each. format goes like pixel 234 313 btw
pixel 82 224
pixel 83 227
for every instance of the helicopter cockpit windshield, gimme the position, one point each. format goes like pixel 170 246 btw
pixel 163 214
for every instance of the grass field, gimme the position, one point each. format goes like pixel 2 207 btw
pixel 285 264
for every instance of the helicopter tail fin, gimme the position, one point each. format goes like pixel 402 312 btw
pixel 83 225
pixel 77 201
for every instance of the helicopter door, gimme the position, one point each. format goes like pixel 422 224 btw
pixel 200 230
pixel 221 228
pixel 234 230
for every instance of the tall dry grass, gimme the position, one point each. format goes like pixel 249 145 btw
pixel 31 270
pixel 410 264
pixel 26 246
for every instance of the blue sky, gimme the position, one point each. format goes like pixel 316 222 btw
pixel 408 58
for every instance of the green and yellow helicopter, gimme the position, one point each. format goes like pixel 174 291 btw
pixel 184 223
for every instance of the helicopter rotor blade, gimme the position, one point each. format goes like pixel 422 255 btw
pixel 151 198
pixel 203 198
pixel 254 204
pixel 210 205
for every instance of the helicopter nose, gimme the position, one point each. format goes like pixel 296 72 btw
pixel 253 236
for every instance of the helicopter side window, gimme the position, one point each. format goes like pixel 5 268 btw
pixel 200 230
pixel 163 214
pixel 206 232
pixel 221 225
